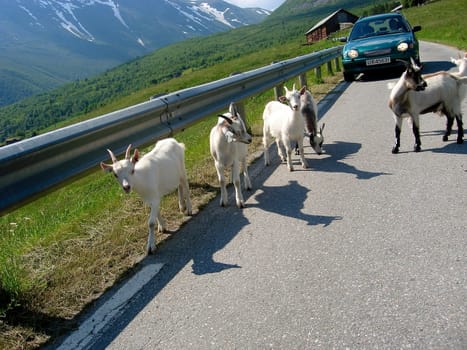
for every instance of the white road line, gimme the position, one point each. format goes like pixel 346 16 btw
pixel 86 332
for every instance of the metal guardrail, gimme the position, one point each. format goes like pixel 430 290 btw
pixel 35 166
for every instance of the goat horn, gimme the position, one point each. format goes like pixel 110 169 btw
pixel 226 118
pixel 112 156
pixel 128 152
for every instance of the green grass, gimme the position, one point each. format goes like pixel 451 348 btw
pixel 62 251
pixel 442 21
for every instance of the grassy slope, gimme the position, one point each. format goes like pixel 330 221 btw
pixel 442 22
pixel 55 257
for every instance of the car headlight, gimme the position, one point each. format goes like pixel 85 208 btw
pixel 352 53
pixel 402 47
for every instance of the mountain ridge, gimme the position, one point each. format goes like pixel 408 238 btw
pixel 48 43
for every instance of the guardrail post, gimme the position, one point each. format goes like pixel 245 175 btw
pixel 330 72
pixel 278 91
pixel 302 79
pixel 319 77
pixel 338 67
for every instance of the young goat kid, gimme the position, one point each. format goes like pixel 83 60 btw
pixel 152 176
pixel 229 141
pixel 414 95
pixel 284 124
pixel 309 110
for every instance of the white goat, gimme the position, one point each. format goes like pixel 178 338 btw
pixel 285 124
pixel 229 141
pixel 152 176
pixel 309 110
pixel 414 95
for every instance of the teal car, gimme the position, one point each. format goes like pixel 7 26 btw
pixel 379 42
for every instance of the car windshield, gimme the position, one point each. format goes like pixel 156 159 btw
pixel 381 26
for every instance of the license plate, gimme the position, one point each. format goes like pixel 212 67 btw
pixel 375 61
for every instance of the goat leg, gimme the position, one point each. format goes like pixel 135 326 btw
pixel 416 133
pixel 246 176
pixel 302 154
pixel 222 184
pixel 397 144
pixel 449 122
pixel 460 129
pixel 237 185
pixel 151 247
pixel 288 152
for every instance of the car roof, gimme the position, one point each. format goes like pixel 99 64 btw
pixel 381 16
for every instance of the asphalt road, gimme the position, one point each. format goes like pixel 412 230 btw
pixel 364 250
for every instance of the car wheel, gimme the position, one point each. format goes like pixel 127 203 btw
pixel 349 77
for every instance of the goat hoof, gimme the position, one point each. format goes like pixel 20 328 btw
pixel 417 148
pixel 445 138
pixel 460 141
pixel 395 150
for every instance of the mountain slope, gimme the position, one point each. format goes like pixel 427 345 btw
pixel 47 43
pixel 37 113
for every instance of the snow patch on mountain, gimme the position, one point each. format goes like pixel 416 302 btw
pixel 30 14
pixel 115 8
pixel 218 15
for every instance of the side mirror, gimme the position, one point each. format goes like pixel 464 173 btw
pixel 416 29
pixel 343 39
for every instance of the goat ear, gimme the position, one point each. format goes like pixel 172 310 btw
pixel 135 157
pixel 106 167
pixel 414 65
pixel 302 90
pixel 282 99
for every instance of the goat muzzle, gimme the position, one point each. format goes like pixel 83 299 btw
pixel 420 87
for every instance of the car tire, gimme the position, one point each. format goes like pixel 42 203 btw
pixel 349 77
